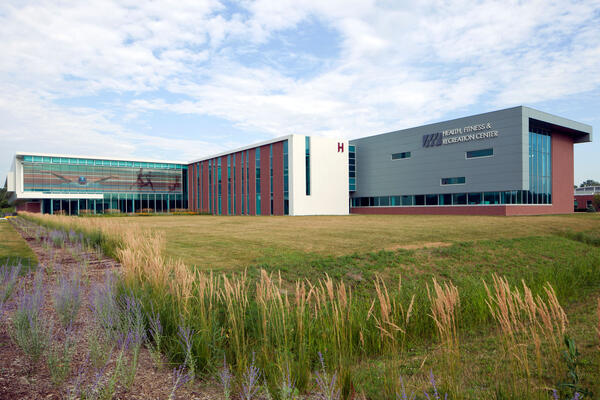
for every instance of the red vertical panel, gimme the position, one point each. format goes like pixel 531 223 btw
pixel 252 171
pixel 562 173
pixel 238 182
pixel 193 188
pixel 224 185
pixel 265 181
pixel 189 185
pixel 204 186
pixel 278 178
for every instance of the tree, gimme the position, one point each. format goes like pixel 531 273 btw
pixel 589 182
pixel 596 201
pixel 3 198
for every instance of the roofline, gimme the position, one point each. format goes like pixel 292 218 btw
pixel 569 123
pixel 27 153
pixel 243 148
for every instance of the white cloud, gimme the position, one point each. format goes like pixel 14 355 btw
pixel 392 65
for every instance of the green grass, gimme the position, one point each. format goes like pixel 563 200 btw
pixel 13 249
pixel 561 250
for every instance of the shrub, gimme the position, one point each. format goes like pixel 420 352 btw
pixel 67 299
pixel 30 331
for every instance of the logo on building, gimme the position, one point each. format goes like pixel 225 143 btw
pixel 82 180
pixel 432 139
pixel 340 147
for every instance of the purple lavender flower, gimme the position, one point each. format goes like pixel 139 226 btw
pixel 436 395
pixel 326 384
pixel 180 378
pixel 225 377
pixel 67 299
pixel 185 337
pixel 250 382
pixel 404 395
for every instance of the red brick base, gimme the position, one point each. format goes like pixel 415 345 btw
pixel 461 210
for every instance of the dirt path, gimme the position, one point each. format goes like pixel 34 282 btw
pixel 20 380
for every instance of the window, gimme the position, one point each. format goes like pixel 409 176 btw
pixel 400 156
pixel 307 168
pixel 480 153
pixel 459 180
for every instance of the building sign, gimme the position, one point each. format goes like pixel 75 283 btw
pixel 459 135
pixel 340 147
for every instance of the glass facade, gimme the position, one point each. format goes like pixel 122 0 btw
pixel 446 199
pixel 540 166
pixel 125 186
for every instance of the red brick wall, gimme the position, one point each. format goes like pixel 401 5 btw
pixel 33 207
pixel 562 173
pixel 278 178
pixel 265 181
pixel 238 182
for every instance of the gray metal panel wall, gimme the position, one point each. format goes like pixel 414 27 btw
pixel 378 175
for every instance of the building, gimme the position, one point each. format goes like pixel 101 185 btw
pixel 516 161
pixel 56 183
pixel 291 175
pixel 584 197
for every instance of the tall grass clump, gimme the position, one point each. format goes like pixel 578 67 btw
pixel 445 305
pixel 528 324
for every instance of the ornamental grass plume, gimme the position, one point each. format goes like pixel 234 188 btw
pixel 445 306
pixel 528 324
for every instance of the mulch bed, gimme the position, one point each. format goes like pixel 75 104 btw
pixel 19 379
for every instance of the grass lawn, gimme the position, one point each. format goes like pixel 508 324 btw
pixel 561 250
pixel 13 248
pixel 230 243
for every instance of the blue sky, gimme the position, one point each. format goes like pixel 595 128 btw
pixel 180 80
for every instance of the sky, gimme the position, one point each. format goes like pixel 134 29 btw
pixel 178 80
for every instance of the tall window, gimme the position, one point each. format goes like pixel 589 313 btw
pixel 307 145
pixel 352 168
pixel 247 183
pixel 210 187
pixel 540 166
pixel 257 151
pixel 286 195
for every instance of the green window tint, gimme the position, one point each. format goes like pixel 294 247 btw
pixel 400 156
pixel 229 184
pixel 540 165
pixel 38 159
pixel 286 195
pixel 445 200
pixel 480 153
pixel 307 164
pixel 453 181
pixel 474 198
pixel 459 198
pixel 352 168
